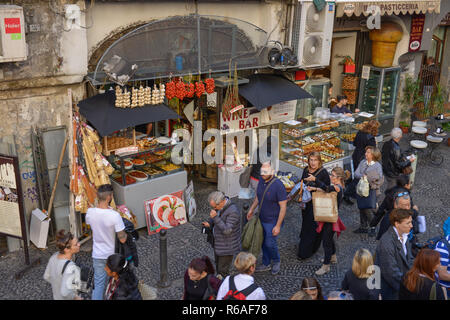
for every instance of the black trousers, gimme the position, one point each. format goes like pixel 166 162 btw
pixel 223 264
pixel 309 239
pixel 365 216
pixel 329 246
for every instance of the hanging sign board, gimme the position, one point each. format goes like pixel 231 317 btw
pixel 252 118
pixel 165 212
pixel 12 218
pixel 415 36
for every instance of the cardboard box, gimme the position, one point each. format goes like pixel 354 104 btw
pixel 39 228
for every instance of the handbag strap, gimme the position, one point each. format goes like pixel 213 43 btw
pixel 264 194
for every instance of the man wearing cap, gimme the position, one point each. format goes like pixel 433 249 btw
pixel 272 210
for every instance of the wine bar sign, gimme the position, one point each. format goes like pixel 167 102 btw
pixel 415 38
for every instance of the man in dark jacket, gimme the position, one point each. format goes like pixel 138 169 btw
pixel 224 220
pixel 392 159
pixel 393 253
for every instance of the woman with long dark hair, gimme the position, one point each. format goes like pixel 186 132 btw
pixel 315 176
pixel 123 284
pixel 199 280
pixel 419 282
pixel 312 287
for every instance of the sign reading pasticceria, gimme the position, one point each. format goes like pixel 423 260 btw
pixel 387 7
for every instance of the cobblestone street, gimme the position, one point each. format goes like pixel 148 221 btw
pixel 186 242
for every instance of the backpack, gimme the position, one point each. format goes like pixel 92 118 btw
pixel 432 243
pixel 234 294
pixel 129 248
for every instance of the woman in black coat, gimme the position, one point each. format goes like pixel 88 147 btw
pixel 123 284
pixel 418 282
pixel 355 280
pixel 314 175
pixel 364 137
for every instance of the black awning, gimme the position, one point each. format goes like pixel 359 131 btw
pixel 265 90
pixel 101 112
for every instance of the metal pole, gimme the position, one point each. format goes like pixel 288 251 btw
pixel 164 281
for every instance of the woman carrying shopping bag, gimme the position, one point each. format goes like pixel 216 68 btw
pixel 327 229
pixel 314 175
pixel 371 170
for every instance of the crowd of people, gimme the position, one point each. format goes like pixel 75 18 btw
pixel 406 271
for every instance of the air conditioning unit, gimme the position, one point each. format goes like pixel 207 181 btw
pixel 12 34
pixel 312 32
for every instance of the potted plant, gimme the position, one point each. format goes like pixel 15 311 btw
pixel 437 100
pixel 404 126
pixel 412 99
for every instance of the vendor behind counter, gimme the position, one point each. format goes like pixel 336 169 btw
pixel 340 107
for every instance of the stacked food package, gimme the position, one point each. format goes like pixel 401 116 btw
pixel 90 169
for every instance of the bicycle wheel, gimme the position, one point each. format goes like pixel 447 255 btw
pixel 436 158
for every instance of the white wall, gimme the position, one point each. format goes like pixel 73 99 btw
pixel 109 17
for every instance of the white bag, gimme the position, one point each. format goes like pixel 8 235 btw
pixel 363 188
pixel 422 224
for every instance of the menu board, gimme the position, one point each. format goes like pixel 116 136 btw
pixel 10 214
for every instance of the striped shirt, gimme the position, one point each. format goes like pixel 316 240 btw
pixel 444 252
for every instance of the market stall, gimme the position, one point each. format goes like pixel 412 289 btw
pixel 138 169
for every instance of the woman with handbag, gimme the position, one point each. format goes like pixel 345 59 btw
pixel 327 229
pixel 314 175
pixel 371 169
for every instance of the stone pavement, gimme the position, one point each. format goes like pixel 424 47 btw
pixel 186 242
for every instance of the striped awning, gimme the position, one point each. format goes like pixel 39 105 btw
pixel 357 8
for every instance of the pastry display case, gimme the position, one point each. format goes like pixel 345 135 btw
pixel 333 138
pixel 378 95
pixel 144 165
pixel 146 175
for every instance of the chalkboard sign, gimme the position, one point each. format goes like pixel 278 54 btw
pixel 12 218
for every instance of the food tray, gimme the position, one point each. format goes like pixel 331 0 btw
pixel 169 172
pixel 157 175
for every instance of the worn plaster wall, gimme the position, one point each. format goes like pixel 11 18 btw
pixel 109 18
pixel 34 92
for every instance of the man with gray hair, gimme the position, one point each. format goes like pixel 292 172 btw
pixel 224 221
pixel 392 159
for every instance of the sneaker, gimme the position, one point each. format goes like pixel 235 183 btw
pixel 276 268
pixel 371 232
pixel 262 268
pixel 325 268
pixel 333 259
pixel 360 230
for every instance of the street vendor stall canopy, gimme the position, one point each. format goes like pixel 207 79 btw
pixel 265 90
pixel 101 112
pixel 358 7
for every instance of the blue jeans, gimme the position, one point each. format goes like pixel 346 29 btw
pixel 100 278
pixel 269 246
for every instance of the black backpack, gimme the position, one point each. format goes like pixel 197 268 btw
pixel 234 294
pixel 129 248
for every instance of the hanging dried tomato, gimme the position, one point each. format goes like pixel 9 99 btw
pixel 199 88
pixel 191 90
pixel 181 90
pixel 210 86
pixel 170 90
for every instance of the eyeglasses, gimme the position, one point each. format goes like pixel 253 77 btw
pixel 403 194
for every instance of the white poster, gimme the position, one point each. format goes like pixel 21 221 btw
pixel 251 118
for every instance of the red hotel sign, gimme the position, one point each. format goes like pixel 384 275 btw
pixel 12 25
pixel 415 37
